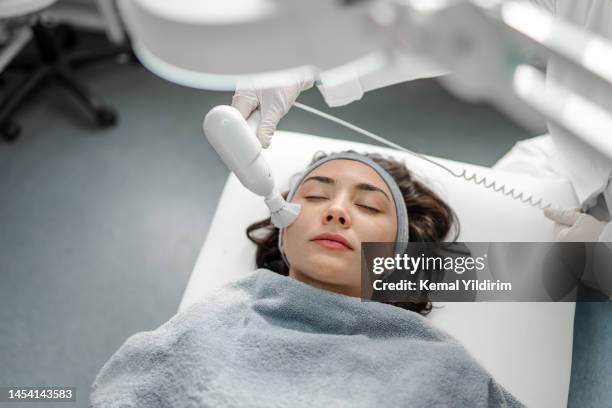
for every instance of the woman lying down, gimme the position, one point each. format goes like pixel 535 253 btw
pixel 295 333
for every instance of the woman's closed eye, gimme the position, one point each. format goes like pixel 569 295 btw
pixel 315 197
pixel 369 209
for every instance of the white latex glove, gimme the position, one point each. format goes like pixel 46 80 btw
pixel 274 103
pixel 571 225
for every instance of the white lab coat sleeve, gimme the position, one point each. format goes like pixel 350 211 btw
pixel 341 87
pixel 535 156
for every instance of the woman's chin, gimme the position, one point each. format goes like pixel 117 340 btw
pixel 330 268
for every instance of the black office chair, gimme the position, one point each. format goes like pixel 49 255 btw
pixel 53 64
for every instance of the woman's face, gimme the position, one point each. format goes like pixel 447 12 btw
pixel 344 203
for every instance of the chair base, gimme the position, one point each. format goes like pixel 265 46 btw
pixel 58 67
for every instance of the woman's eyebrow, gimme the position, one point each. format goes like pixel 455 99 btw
pixel 360 186
pixel 369 187
pixel 322 179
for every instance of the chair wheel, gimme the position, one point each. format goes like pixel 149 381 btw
pixel 106 116
pixel 10 131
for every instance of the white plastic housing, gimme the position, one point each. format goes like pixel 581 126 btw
pixel 234 141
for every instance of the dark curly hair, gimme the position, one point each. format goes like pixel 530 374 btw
pixel 431 220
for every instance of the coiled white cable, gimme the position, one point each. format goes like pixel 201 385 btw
pixel 463 174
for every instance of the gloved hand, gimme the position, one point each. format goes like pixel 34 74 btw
pixel 571 225
pixel 274 103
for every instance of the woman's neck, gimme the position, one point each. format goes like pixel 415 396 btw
pixel 341 289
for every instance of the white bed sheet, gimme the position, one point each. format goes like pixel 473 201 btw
pixel 526 346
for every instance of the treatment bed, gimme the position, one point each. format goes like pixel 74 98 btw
pixel 527 347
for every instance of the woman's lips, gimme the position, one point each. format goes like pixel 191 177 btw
pixel 332 241
pixel 326 243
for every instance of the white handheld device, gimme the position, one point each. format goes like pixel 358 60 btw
pixel 233 140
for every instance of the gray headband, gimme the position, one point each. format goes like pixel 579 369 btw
pixel 402 236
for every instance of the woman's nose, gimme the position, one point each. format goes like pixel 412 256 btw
pixel 337 213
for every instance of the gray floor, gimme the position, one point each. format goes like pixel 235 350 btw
pixel 100 229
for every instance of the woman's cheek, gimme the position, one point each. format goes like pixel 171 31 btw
pixel 378 231
pixel 305 215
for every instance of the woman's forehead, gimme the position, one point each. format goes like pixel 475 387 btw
pixel 349 172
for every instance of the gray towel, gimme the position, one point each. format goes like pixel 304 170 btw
pixel 270 341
